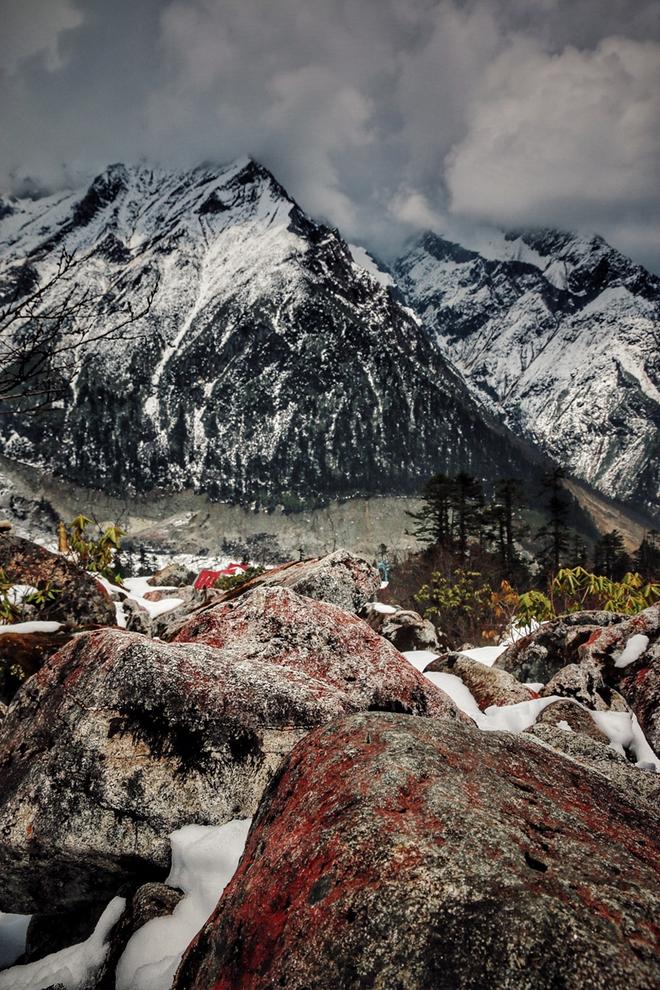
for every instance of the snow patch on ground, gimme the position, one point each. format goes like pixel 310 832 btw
pixel 632 650
pixel 383 608
pixel 30 627
pixel 420 658
pixel 71 967
pixel 622 729
pixel 204 859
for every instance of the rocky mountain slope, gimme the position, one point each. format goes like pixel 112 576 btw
pixel 271 366
pixel 560 335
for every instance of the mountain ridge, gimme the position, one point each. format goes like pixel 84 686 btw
pixel 566 350
pixel 270 364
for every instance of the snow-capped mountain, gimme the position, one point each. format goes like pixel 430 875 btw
pixel 560 335
pixel 271 364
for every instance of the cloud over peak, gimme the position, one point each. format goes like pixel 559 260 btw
pixel 382 116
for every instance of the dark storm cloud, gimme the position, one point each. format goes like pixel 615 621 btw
pixel 382 115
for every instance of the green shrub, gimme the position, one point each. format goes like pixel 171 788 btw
pixel 227 582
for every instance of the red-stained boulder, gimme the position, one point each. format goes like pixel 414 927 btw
pixel 81 600
pixel 341 578
pixel 536 657
pixel 412 853
pixel 277 626
pixel 628 656
pixel 487 685
pixel 120 739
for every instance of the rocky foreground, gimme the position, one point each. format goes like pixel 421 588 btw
pixel 269 794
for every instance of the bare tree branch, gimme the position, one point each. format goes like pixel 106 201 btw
pixel 49 331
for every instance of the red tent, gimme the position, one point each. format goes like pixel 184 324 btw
pixel 207 578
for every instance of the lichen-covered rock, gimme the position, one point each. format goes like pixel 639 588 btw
pixel 137 617
pixel 585 683
pixel 404 852
pixel 572 718
pixel 172 575
pixel 536 657
pixel 152 900
pixel 277 626
pixel 628 654
pixel 341 578
pixel 403 628
pixel 487 685
pixel 119 740
pixel 81 601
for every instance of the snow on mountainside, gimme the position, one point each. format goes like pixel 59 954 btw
pixel 271 364
pixel 560 335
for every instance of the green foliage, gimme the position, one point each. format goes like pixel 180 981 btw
pixel 465 605
pixel 11 611
pixel 227 582
pixel 94 551
pixel 575 589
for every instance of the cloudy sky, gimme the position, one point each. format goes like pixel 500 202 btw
pixel 383 116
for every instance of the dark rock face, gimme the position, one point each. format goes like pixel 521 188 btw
pixel 270 369
pixel 49 933
pixel 636 673
pixel 276 626
pixel 585 683
pixel 535 658
pixel 488 685
pixel 22 654
pixel 82 600
pixel 340 578
pixel 395 852
pixel 405 629
pixel 119 740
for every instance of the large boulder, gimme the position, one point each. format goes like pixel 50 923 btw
pixel 119 740
pixel 172 576
pixel 487 685
pixel 404 852
pixel 278 626
pixel 405 629
pixel 584 682
pixel 81 600
pixel 536 657
pixel 340 578
pixel 628 655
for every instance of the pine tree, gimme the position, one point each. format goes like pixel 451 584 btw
pixel 432 522
pixel 504 510
pixel 467 506
pixel 647 556
pixel 610 557
pixel 578 555
pixel 554 535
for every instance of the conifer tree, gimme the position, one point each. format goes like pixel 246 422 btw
pixel 433 521
pixel 647 556
pixel 610 557
pixel 467 505
pixel 554 535
pixel 506 505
